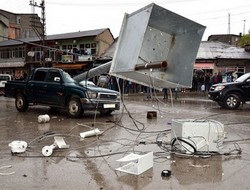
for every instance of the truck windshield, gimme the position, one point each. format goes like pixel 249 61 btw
pixel 243 77
pixel 67 77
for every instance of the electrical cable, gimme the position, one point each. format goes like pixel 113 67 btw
pixel 129 114
pixel 181 139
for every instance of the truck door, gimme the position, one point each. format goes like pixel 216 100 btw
pixel 35 87
pixel 247 89
pixel 55 88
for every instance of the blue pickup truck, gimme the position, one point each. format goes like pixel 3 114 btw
pixel 57 89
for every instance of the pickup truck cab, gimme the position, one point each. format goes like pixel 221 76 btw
pixel 231 95
pixel 57 89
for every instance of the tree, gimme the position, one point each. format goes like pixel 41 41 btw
pixel 244 40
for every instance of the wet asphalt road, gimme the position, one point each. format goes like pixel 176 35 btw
pixel 90 163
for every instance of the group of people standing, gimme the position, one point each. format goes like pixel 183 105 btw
pixel 203 82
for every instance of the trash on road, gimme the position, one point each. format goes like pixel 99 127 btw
pixel 58 143
pixel 151 114
pixel 18 146
pixel 137 163
pixel 93 132
pixel 166 173
pixel 43 118
pixel 194 135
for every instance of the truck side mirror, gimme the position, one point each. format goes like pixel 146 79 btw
pixel 57 79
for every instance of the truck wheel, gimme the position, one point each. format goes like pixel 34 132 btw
pixel 74 108
pixel 232 101
pixel 21 103
pixel 106 112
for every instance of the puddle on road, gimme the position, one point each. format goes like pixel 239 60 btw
pixel 99 172
pixel 197 170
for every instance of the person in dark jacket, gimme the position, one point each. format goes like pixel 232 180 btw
pixel 219 78
pixel 207 81
pixel 215 79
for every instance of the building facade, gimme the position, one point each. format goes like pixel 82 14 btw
pixel 15 26
pixel 74 52
pixel 215 57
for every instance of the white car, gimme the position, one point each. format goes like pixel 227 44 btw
pixel 3 79
pixel 86 82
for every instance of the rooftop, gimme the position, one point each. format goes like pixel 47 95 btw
pixel 71 35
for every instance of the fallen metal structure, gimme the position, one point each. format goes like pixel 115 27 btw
pixel 156 48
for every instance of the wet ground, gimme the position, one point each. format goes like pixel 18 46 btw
pixel 90 163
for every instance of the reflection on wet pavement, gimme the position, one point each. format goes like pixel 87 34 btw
pixel 90 163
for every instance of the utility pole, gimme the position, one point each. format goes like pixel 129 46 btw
pixel 244 25
pixel 228 32
pixel 42 34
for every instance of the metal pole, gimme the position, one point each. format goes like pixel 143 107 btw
pixel 244 24
pixel 43 33
pixel 102 69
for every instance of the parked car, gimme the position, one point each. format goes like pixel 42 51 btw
pixel 231 95
pixel 87 83
pixel 55 88
pixel 3 80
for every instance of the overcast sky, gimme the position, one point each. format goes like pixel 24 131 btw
pixel 63 16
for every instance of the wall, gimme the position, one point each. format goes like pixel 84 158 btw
pixel 105 40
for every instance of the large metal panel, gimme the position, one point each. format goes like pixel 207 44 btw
pixel 152 36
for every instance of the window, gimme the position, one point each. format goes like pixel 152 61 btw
pixel 64 47
pixel 87 45
pixel 82 46
pixel 20 52
pixel 40 76
pixel 6 53
pixel 18 20
pixel 12 53
pixel 93 51
pixel 88 49
pixel 15 52
pixel 54 76
pixel 241 69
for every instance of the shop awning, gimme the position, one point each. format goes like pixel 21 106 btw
pixel 69 66
pixel 204 66
pixel 12 64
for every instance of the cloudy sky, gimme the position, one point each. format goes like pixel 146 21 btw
pixel 64 16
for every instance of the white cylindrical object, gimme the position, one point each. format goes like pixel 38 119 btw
pixel 90 133
pixel 18 146
pixel 43 118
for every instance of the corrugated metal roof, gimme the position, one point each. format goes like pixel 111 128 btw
pixel 213 50
pixel 55 37
pixel 207 50
pixel 76 34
